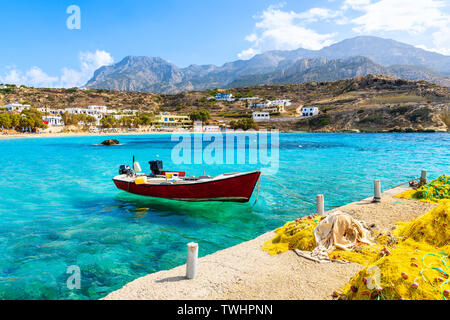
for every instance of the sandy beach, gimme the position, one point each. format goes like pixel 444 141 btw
pixel 246 272
pixel 107 134
pixel 79 134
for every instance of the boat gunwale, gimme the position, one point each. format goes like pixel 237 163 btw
pixel 187 183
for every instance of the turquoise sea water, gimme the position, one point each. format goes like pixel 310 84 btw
pixel 59 206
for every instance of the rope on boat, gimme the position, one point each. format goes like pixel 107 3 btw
pixel 257 190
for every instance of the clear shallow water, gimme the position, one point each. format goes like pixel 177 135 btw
pixel 59 206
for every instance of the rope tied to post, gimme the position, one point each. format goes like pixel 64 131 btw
pixel 287 190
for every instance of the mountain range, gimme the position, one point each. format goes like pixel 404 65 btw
pixel 346 59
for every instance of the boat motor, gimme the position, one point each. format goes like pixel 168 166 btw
pixel 156 166
pixel 125 169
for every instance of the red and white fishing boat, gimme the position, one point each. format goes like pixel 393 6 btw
pixel 174 185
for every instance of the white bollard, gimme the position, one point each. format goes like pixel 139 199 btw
pixel 423 177
pixel 320 204
pixel 192 259
pixel 376 190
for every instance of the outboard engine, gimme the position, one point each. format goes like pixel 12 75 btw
pixel 125 169
pixel 156 166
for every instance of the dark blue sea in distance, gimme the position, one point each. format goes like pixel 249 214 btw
pixel 59 206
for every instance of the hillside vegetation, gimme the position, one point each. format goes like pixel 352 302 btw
pixel 367 104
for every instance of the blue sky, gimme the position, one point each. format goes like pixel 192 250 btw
pixel 38 48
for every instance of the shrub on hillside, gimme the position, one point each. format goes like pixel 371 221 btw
pixel 244 124
pixel 319 121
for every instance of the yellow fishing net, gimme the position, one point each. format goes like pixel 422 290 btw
pixel 412 263
pixel 434 191
pixel 409 272
pixel 431 227
pixel 296 234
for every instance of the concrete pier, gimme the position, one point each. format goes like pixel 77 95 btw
pixel 246 272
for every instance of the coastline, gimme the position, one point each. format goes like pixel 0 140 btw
pixel 76 134
pixel 108 134
pixel 245 271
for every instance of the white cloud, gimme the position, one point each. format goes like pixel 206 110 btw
pixel 413 16
pixel 13 77
pixel 315 14
pixel 36 77
pixel 424 47
pixel 286 30
pixel 247 54
pixel 355 4
pixel 441 39
pixel 89 62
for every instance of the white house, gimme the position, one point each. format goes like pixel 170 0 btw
pixel 260 116
pixel 268 104
pixel 90 110
pixel 17 107
pixel 94 112
pixel 281 102
pixel 198 126
pixel 54 121
pixel 310 111
pixel 211 129
pixel 98 117
pixel 44 109
pixel 260 105
pixel 47 110
pixel 76 110
pixel 130 111
pixel 224 97
pixel 99 109
pixel 249 99
pixel 274 109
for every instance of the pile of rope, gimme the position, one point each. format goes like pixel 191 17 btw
pixel 298 234
pixel 412 263
pixel 434 191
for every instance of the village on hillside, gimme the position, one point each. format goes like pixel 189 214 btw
pixel 371 103
pixel 29 118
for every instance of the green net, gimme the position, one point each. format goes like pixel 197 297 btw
pixel 434 191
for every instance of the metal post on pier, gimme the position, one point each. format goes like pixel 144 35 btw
pixel 376 190
pixel 423 177
pixel 320 204
pixel 192 260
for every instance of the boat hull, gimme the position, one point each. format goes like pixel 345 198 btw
pixel 237 188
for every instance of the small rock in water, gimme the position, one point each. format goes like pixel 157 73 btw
pixel 110 142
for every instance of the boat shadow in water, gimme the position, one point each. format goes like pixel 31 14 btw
pixel 210 210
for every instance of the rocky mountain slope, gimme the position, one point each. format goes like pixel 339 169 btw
pixel 323 69
pixel 348 58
